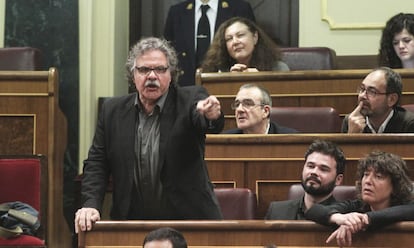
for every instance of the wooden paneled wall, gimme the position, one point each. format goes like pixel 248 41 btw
pixel 247 234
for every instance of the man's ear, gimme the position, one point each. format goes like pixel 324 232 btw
pixel 266 111
pixel 339 179
pixel 392 99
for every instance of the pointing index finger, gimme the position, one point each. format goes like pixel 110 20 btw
pixel 357 110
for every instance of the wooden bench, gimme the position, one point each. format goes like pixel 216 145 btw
pixel 31 122
pixel 270 164
pixel 323 88
pixel 247 234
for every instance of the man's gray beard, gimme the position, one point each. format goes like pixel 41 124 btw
pixel 366 112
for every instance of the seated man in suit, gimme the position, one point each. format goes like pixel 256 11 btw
pixel 378 110
pixel 323 170
pixel 252 111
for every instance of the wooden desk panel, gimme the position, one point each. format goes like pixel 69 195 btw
pixel 31 122
pixel 332 88
pixel 269 164
pixel 249 233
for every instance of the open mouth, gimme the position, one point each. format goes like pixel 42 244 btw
pixel 367 192
pixel 241 117
pixel 241 120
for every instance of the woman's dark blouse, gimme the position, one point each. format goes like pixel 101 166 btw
pixel 377 219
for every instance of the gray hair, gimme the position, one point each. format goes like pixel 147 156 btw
pixel 266 98
pixel 149 44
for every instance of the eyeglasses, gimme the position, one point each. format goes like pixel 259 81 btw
pixel 246 103
pixel 143 70
pixel 371 92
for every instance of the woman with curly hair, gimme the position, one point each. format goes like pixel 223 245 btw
pixel 241 45
pixel 385 197
pixel 397 42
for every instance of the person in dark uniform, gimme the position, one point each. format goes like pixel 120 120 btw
pixel 181 28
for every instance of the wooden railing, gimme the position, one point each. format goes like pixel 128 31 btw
pixel 253 233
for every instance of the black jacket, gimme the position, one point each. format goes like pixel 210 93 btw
pixel 182 142
pixel 377 219
pixel 274 129
pixel 291 209
pixel 401 122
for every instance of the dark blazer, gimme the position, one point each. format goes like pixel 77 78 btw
pixel 184 175
pixel 274 129
pixel 179 29
pixel 402 121
pixel 291 209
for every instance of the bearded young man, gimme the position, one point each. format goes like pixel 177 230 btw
pixel 323 170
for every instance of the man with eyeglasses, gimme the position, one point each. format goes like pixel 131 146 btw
pixel 152 144
pixel 378 109
pixel 252 111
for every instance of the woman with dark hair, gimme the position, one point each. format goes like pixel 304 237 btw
pixel 241 45
pixel 397 42
pixel 385 197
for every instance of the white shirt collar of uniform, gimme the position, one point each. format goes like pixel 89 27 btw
pixel 383 125
pixel 211 13
pixel 212 3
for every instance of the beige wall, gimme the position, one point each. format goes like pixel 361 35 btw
pixel 2 16
pixel 103 47
pixel 351 27
pixel 103 39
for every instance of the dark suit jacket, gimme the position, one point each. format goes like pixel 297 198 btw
pixel 179 29
pixel 291 209
pixel 184 175
pixel 401 122
pixel 274 129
